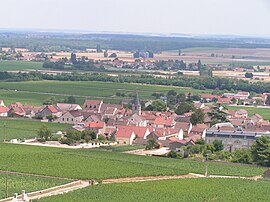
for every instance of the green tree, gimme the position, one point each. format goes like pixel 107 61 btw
pixel 71 100
pixel 261 151
pixel 87 138
pixel 74 135
pixel 242 156
pixel 172 93
pixel 44 132
pixel 157 106
pixel 218 145
pixel 181 97
pixel 184 108
pixel 197 117
pixel 249 75
pixel 152 144
pixel 91 133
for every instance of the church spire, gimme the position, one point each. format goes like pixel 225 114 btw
pixel 136 106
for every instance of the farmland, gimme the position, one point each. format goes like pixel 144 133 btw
pixel 19 65
pixel 17 183
pixel 92 164
pixel 21 129
pixel 265 112
pixel 173 190
pixel 35 92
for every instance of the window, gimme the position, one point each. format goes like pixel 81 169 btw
pixel 67 119
pixel 63 119
pixel 72 119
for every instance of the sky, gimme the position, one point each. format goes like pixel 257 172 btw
pixel 226 17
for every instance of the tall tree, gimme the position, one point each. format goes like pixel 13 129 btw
pixel 44 132
pixel 261 151
pixel 197 117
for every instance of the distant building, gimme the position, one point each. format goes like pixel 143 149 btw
pixel 233 138
pixel 136 106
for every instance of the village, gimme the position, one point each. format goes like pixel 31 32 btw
pixel 134 124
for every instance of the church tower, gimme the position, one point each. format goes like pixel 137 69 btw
pixel 136 105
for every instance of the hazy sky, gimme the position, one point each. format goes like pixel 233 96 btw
pixel 242 17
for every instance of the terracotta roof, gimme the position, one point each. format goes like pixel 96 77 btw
pixel 166 132
pixel 4 109
pixel 95 125
pixel 109 130
pixel 138 130
pixel 52 109
pixel 208 96
pixel 17 109
pixel 243 93
pixel 105 107
pixel 124 133
pixel 199 128
pixel 164 121
pixel 224 100
pixel 182 125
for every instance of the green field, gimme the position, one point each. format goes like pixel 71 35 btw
pixel 92 164
pixel 265 112
pixel 172 190
pixel 34 92
pixel 19 65
pixel 20 129
pixel 17 183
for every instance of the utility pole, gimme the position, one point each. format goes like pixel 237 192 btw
pixel 5 134
pixel 7 185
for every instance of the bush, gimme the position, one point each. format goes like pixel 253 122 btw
pixel 67 141
pixel 174 154
pixel 242 156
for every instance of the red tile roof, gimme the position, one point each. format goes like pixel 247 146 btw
pixel 52 109
pixel 4 109
pixel 138 130
pixel 164 121
pixel 95 125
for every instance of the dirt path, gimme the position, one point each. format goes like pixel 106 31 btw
pixel 151 178
pixel 53 191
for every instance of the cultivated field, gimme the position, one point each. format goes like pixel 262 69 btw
pixel 265 112
pixel 172 190
pixel 19 65
pixel 17 183
pixel 259 56
pixel 92 164
pixel 20 129
pixel 35 92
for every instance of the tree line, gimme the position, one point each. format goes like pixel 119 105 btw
pixel 212 83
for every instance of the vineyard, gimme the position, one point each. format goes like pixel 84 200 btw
pixel 20 129
pixel 35 92
pixel 173 190
pixel 92 164
pixel 17 183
